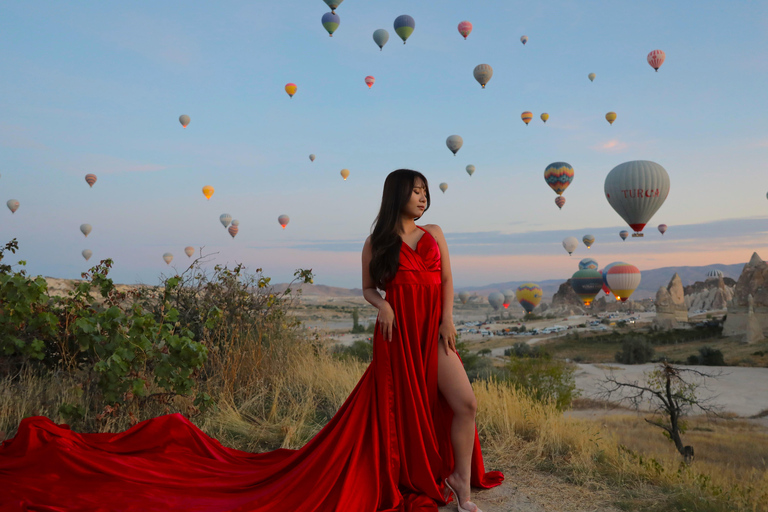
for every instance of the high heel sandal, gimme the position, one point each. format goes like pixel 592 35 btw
pixel 458 501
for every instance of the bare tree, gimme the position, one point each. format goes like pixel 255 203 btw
pixel 673 392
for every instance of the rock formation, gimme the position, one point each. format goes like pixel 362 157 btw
pixel 670 305
pixel 748 309
pixel 565 300
pixel 709 295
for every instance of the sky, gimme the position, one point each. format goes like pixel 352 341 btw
pixel 97 87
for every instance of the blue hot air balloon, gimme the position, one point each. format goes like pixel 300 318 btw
pixel 588 264
pixel 404 26
pixel 331 22
pixel 380 37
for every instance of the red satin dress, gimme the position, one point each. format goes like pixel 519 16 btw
pixel 387 449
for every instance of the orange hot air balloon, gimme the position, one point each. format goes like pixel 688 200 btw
pixel 90 179
pixel 233 229
pixel 291 89
pixel 345 174
pixel 369 81
pixel 526 117
pixel 208 191
pixel 560 201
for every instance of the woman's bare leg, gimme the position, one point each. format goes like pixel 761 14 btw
pixel 454 385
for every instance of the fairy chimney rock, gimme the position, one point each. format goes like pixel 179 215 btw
pixel 670 304
pixel 748 309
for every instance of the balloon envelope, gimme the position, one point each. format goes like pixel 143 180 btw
pixel 225 219
pixel 560 202
pixel 13 205
pixel 529 296
pixel 656 59
pixel 283 220
pixel 87 253
pixel 526 117
pixel 208 191
pixel 90 179
pixel 636 190
pixel 333 4
pixel 470 169
pixel 184 120
pixel 587 283
pixel 235 222
pixel 496 299
pixel 463 297
pixel 570 243
pixel 85 229
pixel 623 279
pixel 291 89
pixel 345 174
pixel 588 240
pixel 588 264
pixel 404 26
pixel 168 257
pixel 189 251
pixel 714 274
pixel 465 28
pixel 330 22
pixel 369 80
pixel 662 228
pixel 591 77
pixel 483 73
pixel 312 158
pixel 454 143
pixel 610 117
pixel 623 234
pixel 544 117
pixel 558 176
pixel 524 39
pixel 380 37
pixel 233 229
pixel 443 187
pixel 605 275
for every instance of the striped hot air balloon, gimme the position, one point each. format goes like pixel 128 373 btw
pixel 168 258
pixel 587 283
pixel 233 229
pixel 588 263
pixel 656 59
pixel 588 240
pixel 560 201
pixel 605 275
pixel 636 190
pixel 526 117
pixel 529 296
pixel 714 274
pixel 369 80
pixel 623 279
pixel 90 179
pixel 465 28
pixel 623 234
pixel 189 251
pixel 558 176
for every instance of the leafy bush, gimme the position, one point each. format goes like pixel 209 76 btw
pixel 542 378
pixel 522 349
pixel 484 352
pixel 707 356
pixel 635 351
pixel 360 350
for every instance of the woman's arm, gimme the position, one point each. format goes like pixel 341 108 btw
pixel 447 330
pixel 371 293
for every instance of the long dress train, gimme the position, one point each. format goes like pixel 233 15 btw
pixel 387 449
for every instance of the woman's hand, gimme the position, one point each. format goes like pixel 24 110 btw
pixel 387 321
pixel 448 336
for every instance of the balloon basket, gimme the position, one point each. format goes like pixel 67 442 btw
pixel 637 235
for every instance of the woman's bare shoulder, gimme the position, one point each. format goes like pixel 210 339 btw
pixel 434 230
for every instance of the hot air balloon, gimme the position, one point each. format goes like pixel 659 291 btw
pixel 623 279
pixel 454 143
pixel 333 4
pixel 588 264
pixel 85 229
pixel 610 117
pixel 463 297
pixel 656 59
pixel 662 228
pixel 714 274
pixel 495 299
pixel 623 234
pixel 524 40
pixel 404 26
pixel 558 176
pixel 587 283
pixel 570 243
pixel 483 73
pixel 331 22
pixel 184 120
pixel 509 296
pixel 235 222
pixel 291 89
pixel 189 251
pixel 560 201
pixel 87 253
pixel 369 81
pixel 604 272
pixel 13 205
pixel 233 229
pixel 443 187
pixel 225 219
pixel 529 296
pixel 605 286
pixel 544 117
pixel 526 117
pixel 345 174
pixel 588 240
pixel 470 169
pixel 465 28
pixel 90 179
pixel 591 77
pixel 312 158
pixel 636 190
pixel 380 37
pixel 208 192
pixel 168 257
pixel 283 220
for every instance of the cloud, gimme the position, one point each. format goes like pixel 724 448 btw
pixel 611 146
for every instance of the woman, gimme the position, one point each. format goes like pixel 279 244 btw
pixel 402 441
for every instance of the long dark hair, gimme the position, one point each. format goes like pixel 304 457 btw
pixel 385 235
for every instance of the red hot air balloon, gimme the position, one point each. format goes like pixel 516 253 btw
pixel 560 201
pixel 656 59
pixel 233 229
pixel 369 81
pixel 465 28
pixel 90 179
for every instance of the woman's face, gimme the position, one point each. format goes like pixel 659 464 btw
pixel 418 201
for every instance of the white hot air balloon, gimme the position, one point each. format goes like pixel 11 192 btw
pixel 189 251
pixel 454 143
pixel 225 219
pixel 496 299
pixel 443 187
pixel 570 244
pixel 470 169
pixel 312 158
pixel 636 190
pixel 13 205
pixel 168 257
pixel 85 229
pixel 464 297
pixel 87 253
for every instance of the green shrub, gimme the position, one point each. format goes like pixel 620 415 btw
pixel 707 356
pixel 543 379
pixel 635 351
pixel 360 350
